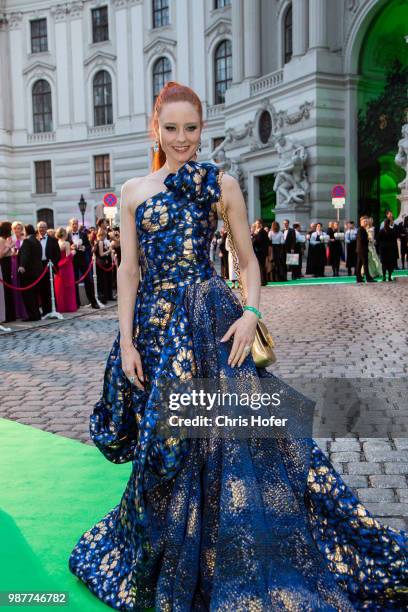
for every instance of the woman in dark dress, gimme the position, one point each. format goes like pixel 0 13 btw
pixel 387 244
pixel 261 243
pixel 403 234
pixel 317 246
pixel 278 261
pixel 335 247
pixel 312 229
pixel 6 269
pixel 104 277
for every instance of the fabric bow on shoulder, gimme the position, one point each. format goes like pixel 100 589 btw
pixel 195 181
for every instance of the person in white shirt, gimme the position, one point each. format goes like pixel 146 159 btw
pixel 350 239
pixel 278 264
pixel 50 251
pixel 300 245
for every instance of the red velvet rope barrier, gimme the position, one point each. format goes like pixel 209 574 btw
pixel 105 269
pixel 15 288
pixel 43 273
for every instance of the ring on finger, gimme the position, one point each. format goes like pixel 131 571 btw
pixel 131 379
pixel 247 348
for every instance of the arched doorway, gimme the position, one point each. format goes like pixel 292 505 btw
pixel 382 109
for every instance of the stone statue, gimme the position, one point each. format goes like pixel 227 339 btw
pixel 291 182
pixel 401 159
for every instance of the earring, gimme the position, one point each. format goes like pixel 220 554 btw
pixel 199 147
pixel 156 146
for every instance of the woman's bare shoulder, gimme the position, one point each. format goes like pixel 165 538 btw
pixel 137 190
pixel 231 190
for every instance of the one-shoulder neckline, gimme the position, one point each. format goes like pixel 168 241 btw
pixel 171 174
pixel 152 197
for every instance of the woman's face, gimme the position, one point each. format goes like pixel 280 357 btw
pixel 179 132
pixel 18 230
pixel 318 227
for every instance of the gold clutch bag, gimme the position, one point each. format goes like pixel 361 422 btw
pixel 262 347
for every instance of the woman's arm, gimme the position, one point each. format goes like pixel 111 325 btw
pixel 244 328
pixel 128 277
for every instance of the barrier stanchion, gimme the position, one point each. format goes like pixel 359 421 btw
pixel 95 282
pixel 53 314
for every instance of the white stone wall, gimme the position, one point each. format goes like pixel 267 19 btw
pixel 327 37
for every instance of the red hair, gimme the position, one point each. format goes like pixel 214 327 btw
pixel 171 92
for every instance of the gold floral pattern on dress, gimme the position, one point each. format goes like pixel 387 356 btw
pixel 184 364
pixel 155 217
pixel 162 313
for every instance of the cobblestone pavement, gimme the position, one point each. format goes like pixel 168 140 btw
pixel 52 375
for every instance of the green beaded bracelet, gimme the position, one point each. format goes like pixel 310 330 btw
pixel 255 310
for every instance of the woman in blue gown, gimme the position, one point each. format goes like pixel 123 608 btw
pixel 212 524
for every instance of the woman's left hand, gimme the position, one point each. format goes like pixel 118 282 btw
pixel 243 330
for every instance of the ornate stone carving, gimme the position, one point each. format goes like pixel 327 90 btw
pixel 64 10
pixel 14 20
pixel 353 5
pixel 401 159
pixel 291 184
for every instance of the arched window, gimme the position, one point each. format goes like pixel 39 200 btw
pixel 222 70
pixel 42 107
pixel 102 98
pixel 161 74
pixel 288 34
pixel 47 215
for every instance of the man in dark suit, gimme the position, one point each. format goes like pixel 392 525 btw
pixel 80 245
pixel 50 252
pixel 289 246
pixel 30 268
pixel 362 252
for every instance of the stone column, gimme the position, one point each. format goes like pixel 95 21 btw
pixel 318 35
pixel 237 9
pixel 122 62
pixel 300 26
pixel 61 58
pixel 138 69
pixel 252 38
pixel 77 61
pixel 17 44
pixel 183 29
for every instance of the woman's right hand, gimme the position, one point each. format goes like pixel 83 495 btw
pixel 132 364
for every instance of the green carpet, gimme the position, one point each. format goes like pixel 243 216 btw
pixel 52 490
pixel 327 280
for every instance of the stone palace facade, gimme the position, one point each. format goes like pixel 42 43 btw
pixel 279 81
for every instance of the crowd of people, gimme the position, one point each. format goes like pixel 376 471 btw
pixel 282 250
pixel 25 253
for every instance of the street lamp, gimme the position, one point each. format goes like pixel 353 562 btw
pixel 82 208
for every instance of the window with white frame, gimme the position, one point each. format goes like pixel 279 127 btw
pixel 100 24
pixel 39 38
pixel 161 74
pixel 288 35
pixel 102 171
pixel 222 70
pixel 43 177
pixel 42 106
pixel 222 3
pixel 161 16
pixel 102 98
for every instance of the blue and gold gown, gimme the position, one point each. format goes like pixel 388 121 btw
pixel 222 524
